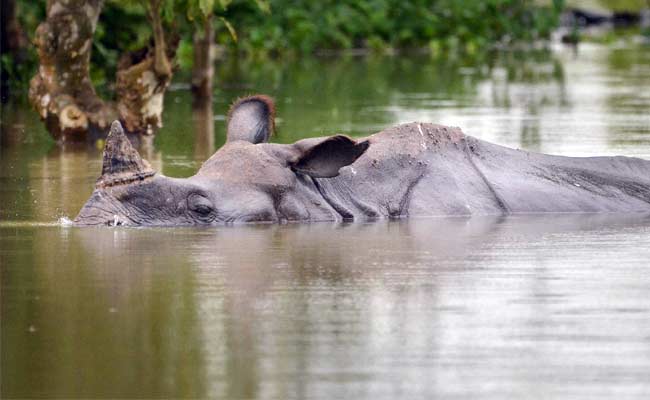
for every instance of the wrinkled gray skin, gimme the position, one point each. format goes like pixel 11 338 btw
pixel 415 169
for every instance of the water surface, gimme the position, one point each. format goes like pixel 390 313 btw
pixel 517 307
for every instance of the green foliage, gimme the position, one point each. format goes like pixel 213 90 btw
pixel 122 27
pixel 201 8
pixel 29 13
pixel 624 5
pixel 18 73
pixel 271 27
pixel 185 54
pixel 306 26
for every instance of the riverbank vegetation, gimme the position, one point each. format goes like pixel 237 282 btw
pixel 183 38
pixel 273 28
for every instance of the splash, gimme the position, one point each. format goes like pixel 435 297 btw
pixel 64 221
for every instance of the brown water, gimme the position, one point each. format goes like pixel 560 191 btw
pixel 518 307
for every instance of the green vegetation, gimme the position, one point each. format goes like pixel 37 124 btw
pixel 267 28
pixel 29 14
pixel 305 26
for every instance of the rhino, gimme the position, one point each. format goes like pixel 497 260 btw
pixel 413 169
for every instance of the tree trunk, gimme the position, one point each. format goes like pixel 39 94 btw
pixel 203 68
pixel 62 91
pixel 203 119
pixel 142 79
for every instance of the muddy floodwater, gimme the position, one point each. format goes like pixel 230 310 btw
pixel 488 307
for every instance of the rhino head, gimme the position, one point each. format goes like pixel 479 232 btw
pixel 247 180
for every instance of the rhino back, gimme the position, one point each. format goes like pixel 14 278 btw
pixel 411 169
pixel 432 170
pixel 528 182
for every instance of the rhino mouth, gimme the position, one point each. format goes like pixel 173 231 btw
pixel 101 211
pixel 94 216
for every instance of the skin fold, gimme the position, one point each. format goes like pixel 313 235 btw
pixel 415 169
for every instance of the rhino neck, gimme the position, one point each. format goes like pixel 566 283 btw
pixel 347 208
pixel 305 203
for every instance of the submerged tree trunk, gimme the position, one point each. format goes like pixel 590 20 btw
pixel 62 91
pixel 203 67
pixel 143 77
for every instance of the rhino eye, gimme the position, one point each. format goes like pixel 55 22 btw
pixel 201 206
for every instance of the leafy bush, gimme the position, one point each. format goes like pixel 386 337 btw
pixel 273 27
pixel 305 26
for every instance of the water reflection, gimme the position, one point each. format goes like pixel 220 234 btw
pixel 428 307
pixel 203 119
pixel 555 306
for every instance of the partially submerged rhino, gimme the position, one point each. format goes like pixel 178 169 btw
pixel 414 169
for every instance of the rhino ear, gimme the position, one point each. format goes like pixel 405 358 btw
pixel 251 119
pixel 324 159
pixel 121 162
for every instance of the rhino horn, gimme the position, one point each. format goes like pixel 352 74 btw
pixel 122 164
